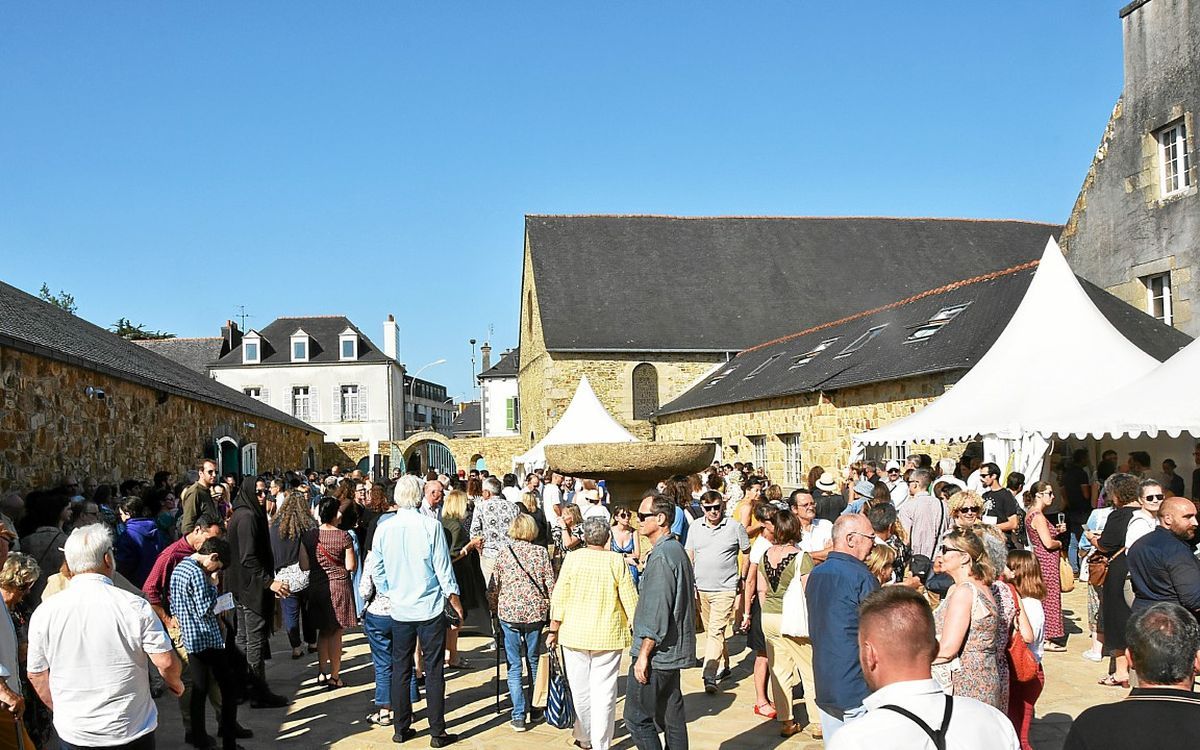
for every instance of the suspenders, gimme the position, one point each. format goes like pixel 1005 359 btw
pixel 938 737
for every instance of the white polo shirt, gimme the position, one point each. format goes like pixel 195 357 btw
pixel 94 639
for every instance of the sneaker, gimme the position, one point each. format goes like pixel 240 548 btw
pixel 724 674
pixel 710 687
pixel 518 725
pixel 1091 655
pixel 442 740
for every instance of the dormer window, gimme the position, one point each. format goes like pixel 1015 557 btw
pixel 348 345
pixel 936 323
pixel 251 349
pixel 811 354
pixel 300 346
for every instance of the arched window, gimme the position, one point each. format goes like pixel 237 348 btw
pixel 645 390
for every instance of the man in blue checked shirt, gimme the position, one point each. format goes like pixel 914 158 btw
pixel 193 600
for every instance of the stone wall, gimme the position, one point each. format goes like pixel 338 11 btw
pixel 825 423
pixel 50 429
pixel 497 452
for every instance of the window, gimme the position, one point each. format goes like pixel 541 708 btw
pixel 348 345
pixel 793 468
pixel 723 374
pixel 934 324
pixel 645 390
pixel 301 402
pixel 258 393
pixel 881 454
pixel 300 346
pixel 1174 161
pixel 762 367
pixel 862 340
pixel 1158 296
pixel 510 414
pixel 350 404
pixel 250 352
pixel 250 458
pixel 809 355
pixel 759 445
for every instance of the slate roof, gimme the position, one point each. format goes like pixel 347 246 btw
pixel 194 354
pixel 992 299
pixel 323 331
pixel 31 325
pixel 510 362
pixel 469 420
pixel 660 283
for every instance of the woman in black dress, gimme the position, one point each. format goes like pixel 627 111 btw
pixel 464 556
pixel 1123 491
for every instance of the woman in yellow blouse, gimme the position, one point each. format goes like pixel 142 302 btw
pixel 591 609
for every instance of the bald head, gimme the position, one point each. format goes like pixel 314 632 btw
pixel 1178 516
pixel 853 535
pixel 896 637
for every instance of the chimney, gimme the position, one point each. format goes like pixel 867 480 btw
pixel 391 337
pixel 485 352
pixel 231 337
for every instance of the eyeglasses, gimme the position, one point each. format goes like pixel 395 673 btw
pixel 1047 492
pixel 644 516
pixel 864 536
pixel 1153 498
pixel 210 471
pixel 708 508
pixel 946 549
pixel 971 509
pixel 983 474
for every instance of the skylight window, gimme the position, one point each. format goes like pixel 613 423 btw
pixel 762 367
pixel 935 324
pixel 722 375
pixel 811 354
pixel 861 341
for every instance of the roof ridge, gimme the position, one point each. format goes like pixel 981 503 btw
pixel 782 216
pixel 180 338
pixel 309 317
pixel 899 303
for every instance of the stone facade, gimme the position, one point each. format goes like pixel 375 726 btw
pixel 547 380
pixel 1127 225
pixel 824 423
pixel 49 428
pixel 497 453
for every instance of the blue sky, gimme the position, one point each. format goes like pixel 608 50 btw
pixel 167 162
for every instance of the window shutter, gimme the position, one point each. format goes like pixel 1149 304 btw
pixel 314 404
pixel 362 403
pixel 266 396
pixel 510 413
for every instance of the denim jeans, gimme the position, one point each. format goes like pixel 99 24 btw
pixel 379 634
pixel 145 742
pixel 656 707
pixel 520 640
pixel 432 635
pixel 296 620
pixel 252 634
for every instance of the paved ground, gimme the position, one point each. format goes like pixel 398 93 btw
pixel 318 718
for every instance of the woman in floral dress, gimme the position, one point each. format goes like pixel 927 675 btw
pixel 967 621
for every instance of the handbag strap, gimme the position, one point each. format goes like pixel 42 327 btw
pixel 938 736
pixel 540 589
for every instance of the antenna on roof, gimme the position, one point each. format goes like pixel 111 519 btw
pixel 242 316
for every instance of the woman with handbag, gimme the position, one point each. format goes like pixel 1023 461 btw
pixel 1025 579
pixel 591 611
pixel 968 642
pixel 784 623
pixel 292 521
pixel 327 552
pixel 1048 549
pixel 519 594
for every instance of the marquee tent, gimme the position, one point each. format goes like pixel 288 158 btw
pixel 1005 397
pixel 585 421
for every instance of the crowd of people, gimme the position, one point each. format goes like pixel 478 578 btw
pixel 913 600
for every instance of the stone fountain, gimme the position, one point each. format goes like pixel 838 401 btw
pixel 629 468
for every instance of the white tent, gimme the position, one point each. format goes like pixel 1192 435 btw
pixel 1026 375
pixel 1160 401
pixel 585 421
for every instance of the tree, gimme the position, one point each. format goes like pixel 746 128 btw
pixel 126 329
pixel 62 300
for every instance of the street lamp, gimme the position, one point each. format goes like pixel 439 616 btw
pixel 413 385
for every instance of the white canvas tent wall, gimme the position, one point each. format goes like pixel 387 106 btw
pixel 585 421
pixel 1025 376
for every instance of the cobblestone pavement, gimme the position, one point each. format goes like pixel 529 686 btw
pixel 319 718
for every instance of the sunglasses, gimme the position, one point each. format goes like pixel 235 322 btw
pixel 644 516
pixel 1153 498
pixel 711 507
pixel 971 509
pixel 893 471
pixel 623 514
pixel 260 492
pixel 947 550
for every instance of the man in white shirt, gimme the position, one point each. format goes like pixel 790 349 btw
pixel 88 647
pixel 510 489
pixel 552 499
pixel 907 707
pixel 897 487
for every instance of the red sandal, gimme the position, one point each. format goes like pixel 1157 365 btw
pixel 768 713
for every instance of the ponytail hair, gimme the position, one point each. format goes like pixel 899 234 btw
pixel 972 544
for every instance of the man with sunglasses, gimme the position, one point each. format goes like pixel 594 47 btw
pixel 894 481
pixel 713 544
pixel 999 505
pixel 197 499
pixel 664 633
pixel 1162 567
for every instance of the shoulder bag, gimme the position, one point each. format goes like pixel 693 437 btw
pixel 1098 563
pixel 560 708
pixel 537 587
pixel 1021 662
pixel 1066 576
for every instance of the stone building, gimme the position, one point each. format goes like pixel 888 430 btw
pixel 77 399
pixel 1135 227
pixel 646 306
pixel 795 402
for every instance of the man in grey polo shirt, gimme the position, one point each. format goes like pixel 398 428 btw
pixel 713 543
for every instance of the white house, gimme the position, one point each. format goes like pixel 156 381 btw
pixel 498 394
pixel 322 370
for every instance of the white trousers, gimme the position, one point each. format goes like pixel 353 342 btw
pixel 593 677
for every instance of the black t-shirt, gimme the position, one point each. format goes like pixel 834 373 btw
pixel 829 505
pixel 1161 718
pixel 1001 504
pixel 1073 481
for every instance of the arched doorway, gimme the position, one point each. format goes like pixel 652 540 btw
pixel 478 462
pixel 228 456
pixel 427 451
